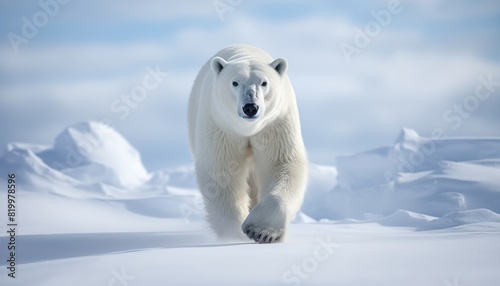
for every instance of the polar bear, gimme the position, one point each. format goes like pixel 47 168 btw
pixel 245 135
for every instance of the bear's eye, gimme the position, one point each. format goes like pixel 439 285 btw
pixel 235 83
pixel 264 83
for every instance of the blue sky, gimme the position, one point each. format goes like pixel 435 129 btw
pixel 413 71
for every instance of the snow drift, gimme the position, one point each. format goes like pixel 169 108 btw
pixel 411 183
pixel 421 175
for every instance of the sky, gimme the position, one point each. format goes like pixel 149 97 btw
pixel 361 70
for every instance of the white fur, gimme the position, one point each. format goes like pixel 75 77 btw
pixel 251 171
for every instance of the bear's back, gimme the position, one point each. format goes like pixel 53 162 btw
pixel 243 52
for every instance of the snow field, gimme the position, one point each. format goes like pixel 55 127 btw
pixel 418 212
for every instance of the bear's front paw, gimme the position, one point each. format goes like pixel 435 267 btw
pixel 263 235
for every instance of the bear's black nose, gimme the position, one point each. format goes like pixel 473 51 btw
pixel 250 109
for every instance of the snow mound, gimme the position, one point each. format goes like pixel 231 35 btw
pixel 87 160
pixel 321 180
pixel 303 218
pixel 30 169
pixel 181 176
pixel 432 176
pixel 406 218
pixel 93 152
pixel 462 218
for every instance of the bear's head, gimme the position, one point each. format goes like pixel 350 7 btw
pixel 248 93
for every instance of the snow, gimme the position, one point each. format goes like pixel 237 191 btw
pixel 93 152
pixel 422 211
pixel 423 175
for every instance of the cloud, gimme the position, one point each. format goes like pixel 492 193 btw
pixel 456 10
pixel 87 59
pixel 92 53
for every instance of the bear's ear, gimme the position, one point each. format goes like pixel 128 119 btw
pixel 280 65
pixel 218 64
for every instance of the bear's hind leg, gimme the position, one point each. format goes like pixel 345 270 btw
pixel 224 190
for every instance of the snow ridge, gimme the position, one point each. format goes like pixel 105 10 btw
pixel 417 182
